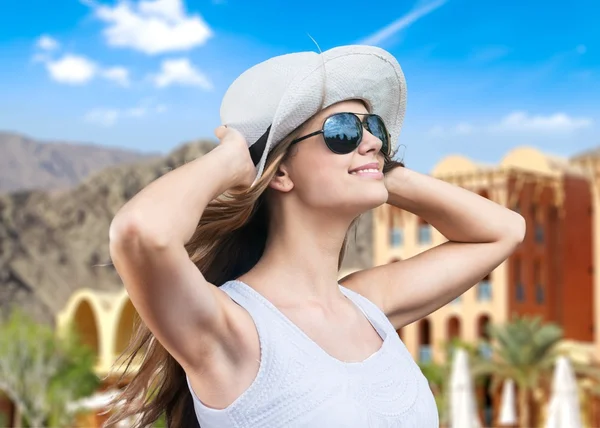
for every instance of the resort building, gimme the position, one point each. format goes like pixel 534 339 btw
pixel 551 274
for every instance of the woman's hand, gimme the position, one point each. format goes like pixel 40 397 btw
pixel 238 155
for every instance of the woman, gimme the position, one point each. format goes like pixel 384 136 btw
pixel 232 259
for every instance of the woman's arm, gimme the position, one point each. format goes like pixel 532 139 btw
pixel 147 238
pixel 481 235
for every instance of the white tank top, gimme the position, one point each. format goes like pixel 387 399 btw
pixel 298 384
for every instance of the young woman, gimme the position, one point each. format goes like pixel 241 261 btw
pixel 232 259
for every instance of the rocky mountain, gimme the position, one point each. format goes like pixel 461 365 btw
pixel 52 243
pixel 26 163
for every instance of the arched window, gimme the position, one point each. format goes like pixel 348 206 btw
pixel 424 332
pixel 85 322
pixel 453 328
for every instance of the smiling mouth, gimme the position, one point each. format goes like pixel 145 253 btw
pixel 365 171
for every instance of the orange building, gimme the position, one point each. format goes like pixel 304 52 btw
pixel 590 163
pixel 550 274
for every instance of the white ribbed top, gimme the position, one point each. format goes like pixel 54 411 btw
pixel 298 384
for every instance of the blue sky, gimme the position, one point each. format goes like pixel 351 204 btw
pixel 483 76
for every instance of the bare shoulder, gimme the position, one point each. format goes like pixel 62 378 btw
pixel 365 283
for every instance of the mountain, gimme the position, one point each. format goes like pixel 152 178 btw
pixel 52 243
pixel 29 164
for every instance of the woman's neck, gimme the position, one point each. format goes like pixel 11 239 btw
pixel 301 257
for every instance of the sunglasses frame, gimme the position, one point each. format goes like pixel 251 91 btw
pixel 360 137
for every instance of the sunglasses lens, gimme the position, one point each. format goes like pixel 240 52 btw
pixel 342 132
pixel 375 126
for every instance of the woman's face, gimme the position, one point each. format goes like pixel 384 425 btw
pixel 350 183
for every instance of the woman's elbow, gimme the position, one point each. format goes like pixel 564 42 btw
pixel 515 228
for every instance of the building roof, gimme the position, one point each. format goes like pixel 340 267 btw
pixel 590 153
pixel 523 158
pixel 454 164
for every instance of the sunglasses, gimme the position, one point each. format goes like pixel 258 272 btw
pixel 343 132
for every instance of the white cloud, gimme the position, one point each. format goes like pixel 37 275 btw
pixel 462 128
pixel 401 23
pixel 72 69
pixel 558 122
pixel 108 117
pixel 41 57
pixel 180 72
pixel 152 26
pixel 102 116
pixel 119 75
pixel 437 131
pixel 520 123
pixel 79 70
pixel 136 112
pixel 47 43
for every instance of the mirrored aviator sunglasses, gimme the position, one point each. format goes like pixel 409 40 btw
pixel 343 132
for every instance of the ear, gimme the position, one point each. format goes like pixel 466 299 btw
pixel 282 180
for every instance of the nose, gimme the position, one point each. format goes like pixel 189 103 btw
pixel 369 143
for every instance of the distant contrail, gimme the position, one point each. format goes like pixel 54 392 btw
pixel 401 23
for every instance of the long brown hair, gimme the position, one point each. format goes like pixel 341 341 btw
pixel 229 240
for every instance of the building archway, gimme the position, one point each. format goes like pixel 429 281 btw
pixel 485 350
pixel 453 328
pixel 483 323
pixel 86 325
pixel 125 326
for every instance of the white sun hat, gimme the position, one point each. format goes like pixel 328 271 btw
pixel 271 99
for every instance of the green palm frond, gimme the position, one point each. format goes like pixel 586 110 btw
pixel 524 350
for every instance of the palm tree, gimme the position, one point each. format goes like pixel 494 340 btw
pixel 524 350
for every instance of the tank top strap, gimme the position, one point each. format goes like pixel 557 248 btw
pixel 371 311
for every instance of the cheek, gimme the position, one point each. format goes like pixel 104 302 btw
pixel 326 172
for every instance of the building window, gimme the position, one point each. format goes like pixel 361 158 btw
pixel 483 325
pixel 484 290
pixel 425 354
pixel 539 233
pixel 520 292
pixel 539 293
pixel 425 349
pixel 485 350
pixel 396 236
pixel 424 234
pixel 538 281
pixel 453 331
